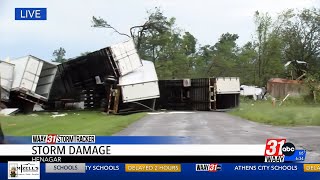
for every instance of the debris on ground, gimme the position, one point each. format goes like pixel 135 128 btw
pixel 59 115
pixel 253 92
pixel 9 111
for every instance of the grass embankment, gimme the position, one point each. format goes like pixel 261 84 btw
pixel 73 123
pixel 291 113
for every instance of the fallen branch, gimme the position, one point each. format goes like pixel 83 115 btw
pixel 284 99
pixel 101 23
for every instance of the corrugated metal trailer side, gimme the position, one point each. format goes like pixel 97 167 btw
pixel 174 95
pixel 202 94
pixel 197 94
pixel 279 88
pixel 93 73
pixel 187 94
pixel 84 73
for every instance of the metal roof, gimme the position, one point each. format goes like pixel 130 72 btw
pixel 284 81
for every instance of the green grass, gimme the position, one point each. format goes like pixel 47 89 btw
pixel 83 122
pixel 289 114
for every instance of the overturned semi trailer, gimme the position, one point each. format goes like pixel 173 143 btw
pixel 92 81
pixel 133 92
pixel 85 79
pixel 32 82
pixel 6 80
pixel 136 91
pixel 203 94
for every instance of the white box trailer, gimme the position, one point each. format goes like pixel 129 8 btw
pixel 126 57
pixel 227 92
pixel 33 76
pixel 227 85
pixel 6 79
pixel 140 84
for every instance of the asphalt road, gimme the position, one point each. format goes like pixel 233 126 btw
pixel 222 128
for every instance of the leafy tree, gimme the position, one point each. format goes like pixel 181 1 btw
pixel 160 41
pixel 59 55
pixel 203 59
pixel 300 32
pixel 268 46
pixel 224 56
pixel 263 26
pixel 246 63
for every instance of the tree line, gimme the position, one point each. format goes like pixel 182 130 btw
pixel 287 46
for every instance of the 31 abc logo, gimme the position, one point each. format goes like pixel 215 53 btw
pixel 288 149
pixel 279 147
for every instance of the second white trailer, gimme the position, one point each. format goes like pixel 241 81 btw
pixel 140 84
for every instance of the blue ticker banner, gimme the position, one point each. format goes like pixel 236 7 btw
pixel 174 171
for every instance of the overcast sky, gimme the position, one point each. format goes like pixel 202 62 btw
pixel 69 22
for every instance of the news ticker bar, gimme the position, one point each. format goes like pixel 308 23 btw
pixel 171 168
pixel 136 159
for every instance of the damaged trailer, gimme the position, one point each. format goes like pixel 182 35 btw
pixel 139 89
pixel 136 91
pixel 100 80
pixel 6 80
pixel 84 79
pixel 32 82
pixel 203 94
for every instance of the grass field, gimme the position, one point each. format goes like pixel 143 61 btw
pixel 88 122
pixel 289 114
